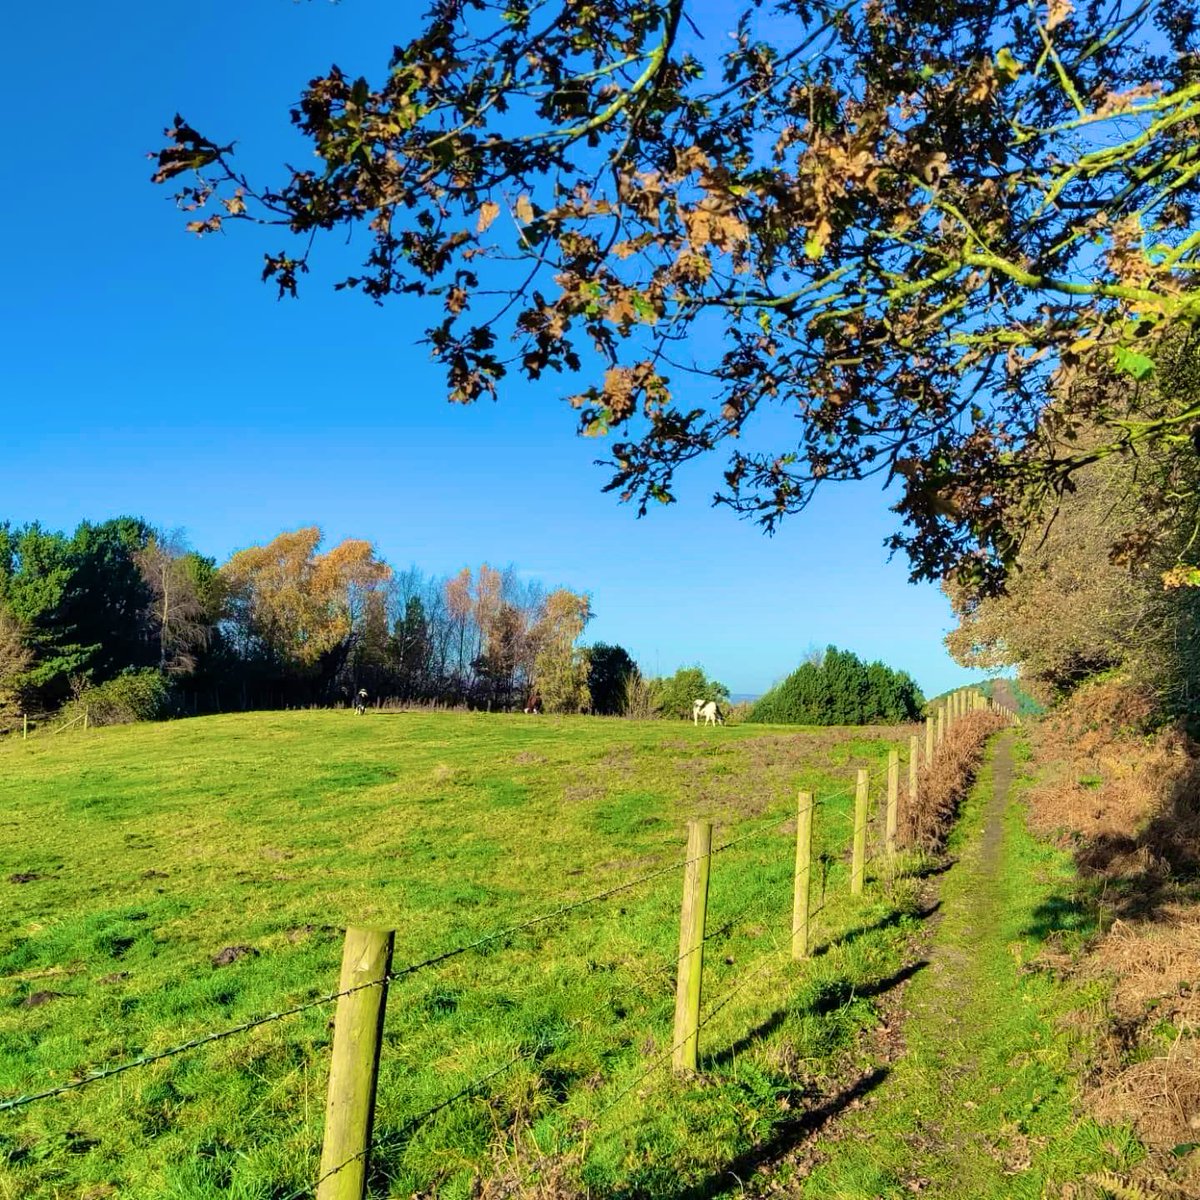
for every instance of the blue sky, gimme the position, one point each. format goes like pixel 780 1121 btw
pixel 143 371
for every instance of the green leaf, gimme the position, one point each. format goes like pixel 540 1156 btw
pixel 1008 66
pixel 1133 363
pixel 814 247
pixel 644 308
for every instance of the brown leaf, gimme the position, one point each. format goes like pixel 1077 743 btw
pixel 488 212
pixel 1057 11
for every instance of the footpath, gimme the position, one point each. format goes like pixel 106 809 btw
pixel 983 1101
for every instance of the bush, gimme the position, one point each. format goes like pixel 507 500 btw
pixel 841 689
pixel 675 694
pixel 143 695
pixel 943 784
pixel 639 703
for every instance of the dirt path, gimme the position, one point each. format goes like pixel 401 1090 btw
pixel 982 1102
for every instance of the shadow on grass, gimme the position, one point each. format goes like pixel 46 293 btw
pixel 929 870
pixel 1073 913
pixel 890 921
pixel 784 1138
pixel 832 996
pixel 1131 878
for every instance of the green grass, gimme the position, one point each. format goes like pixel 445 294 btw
pixel 985 1101
pixel 157 846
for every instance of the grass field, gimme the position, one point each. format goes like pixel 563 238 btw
pixel 132 857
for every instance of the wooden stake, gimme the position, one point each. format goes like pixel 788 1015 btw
pixel 804 816
pixel 87 712
pixel 357 1035
pixel 24 726
pixel 692 917
pixel 929 742
pixel 913 752
pixel 941 726
pixel 858 868
pixel 893 800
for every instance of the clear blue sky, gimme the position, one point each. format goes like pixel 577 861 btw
pixel 145 372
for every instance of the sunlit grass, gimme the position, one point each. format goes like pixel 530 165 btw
pixel 985 1104
pixel 155 847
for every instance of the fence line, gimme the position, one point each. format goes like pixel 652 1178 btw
pixel 948 715
pixel 144 1060
pixel 409 1127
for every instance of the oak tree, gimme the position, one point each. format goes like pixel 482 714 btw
pixel 894 220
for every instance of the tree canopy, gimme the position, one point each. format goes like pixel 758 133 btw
pixel 1089 597
pixel 673 695
pixel 132 621
pixel 838 688
pixel 901 223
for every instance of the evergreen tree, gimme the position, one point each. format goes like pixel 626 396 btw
pixel 841 690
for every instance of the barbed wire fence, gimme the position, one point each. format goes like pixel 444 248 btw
pixel 688 1025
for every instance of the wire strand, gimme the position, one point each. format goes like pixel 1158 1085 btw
pixel 144 1060
pixel 409 1127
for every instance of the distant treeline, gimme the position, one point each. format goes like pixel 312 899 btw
pixel 133 623
pixel 838 688
pixel 122 607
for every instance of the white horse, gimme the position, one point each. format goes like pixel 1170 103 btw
pixel 708 710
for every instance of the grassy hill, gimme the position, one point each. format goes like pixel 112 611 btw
pixel 164 881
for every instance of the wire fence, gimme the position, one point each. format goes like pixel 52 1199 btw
pixel 143 1060
pixel 396 1138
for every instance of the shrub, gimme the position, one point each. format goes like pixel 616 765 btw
pixel 639 703
pixel 675 694
pixel 143 695
pixel 841 689
pixel 943 784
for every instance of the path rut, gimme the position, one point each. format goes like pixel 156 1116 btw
pixel 921 1132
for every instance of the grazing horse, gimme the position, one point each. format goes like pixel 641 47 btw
pixel 534 703
pixel 708 710
pixel 360 702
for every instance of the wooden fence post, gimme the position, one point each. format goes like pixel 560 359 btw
pixel 858 867
pixel 24 726
pixel 913 753
pixel 929 742
pixel 941 725
pixel 87 713
pixel 691 946
pixel 893 800
pixel 804 817
pixel 357 1035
